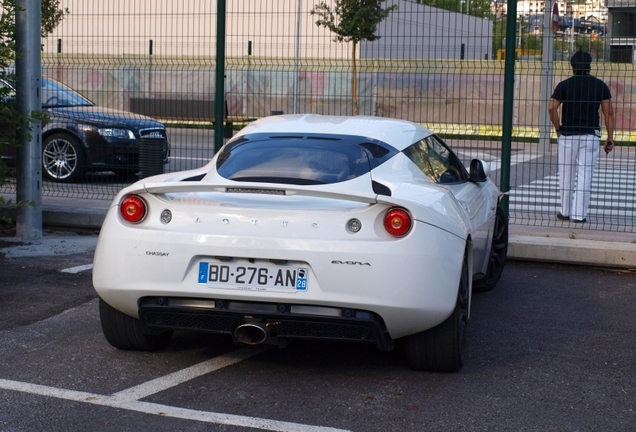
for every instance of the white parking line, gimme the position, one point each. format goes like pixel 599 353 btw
pixel 128 399
pixel 495 163
pixel 78 269
pixel 160 410
pixel 155 386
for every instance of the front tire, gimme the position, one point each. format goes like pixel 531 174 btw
pixel 124 332
pixel 441 349
pixel 63 158
pixel 498 254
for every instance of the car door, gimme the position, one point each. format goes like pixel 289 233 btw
pixel 476 200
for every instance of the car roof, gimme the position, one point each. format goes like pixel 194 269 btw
pixel 45 82
pixel 13 85
pixel 397 133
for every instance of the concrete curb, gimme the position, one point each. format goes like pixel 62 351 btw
pixel 66 217
pixel 572 251
pixel 88 218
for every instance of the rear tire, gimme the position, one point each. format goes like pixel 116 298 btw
pixel 498 254
pixel 441 349
pixel 124 332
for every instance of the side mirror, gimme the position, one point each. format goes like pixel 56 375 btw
pixel 479 171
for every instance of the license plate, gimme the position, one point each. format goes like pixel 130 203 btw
pixel 260 277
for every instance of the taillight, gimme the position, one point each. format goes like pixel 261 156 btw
pixel 133 209
pixel 397 222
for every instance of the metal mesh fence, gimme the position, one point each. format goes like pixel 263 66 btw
pixel 439 67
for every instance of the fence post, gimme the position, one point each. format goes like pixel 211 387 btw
pixel 219 97
pixel 547 76
pixel 29 72
pixel 508 102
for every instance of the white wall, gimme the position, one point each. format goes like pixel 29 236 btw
pixel 276 28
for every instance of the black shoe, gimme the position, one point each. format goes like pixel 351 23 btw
pixel 561 217
pixel 579 220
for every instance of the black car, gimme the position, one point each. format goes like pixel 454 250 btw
pixel 80 137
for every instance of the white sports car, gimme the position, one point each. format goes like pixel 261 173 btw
pixel 359 229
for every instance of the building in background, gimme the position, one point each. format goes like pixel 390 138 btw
pixel 417 31
pixel 621 30
pixel 187 28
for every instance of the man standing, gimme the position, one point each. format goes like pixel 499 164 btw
pixel 579 134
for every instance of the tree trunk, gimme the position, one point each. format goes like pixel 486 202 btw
pixel 354 79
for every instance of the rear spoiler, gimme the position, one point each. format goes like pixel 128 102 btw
pixel 354 190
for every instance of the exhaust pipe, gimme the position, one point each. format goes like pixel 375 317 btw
pixel 251 333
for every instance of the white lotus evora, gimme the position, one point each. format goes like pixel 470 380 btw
pixel 357 229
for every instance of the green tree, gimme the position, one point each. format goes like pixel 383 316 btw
pixel 10 119
pixel 533 42
pixel 498 35
pixel 597 47
pixel 352 21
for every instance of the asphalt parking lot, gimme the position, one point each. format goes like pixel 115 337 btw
pixel 552 348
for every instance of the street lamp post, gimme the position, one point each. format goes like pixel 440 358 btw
pixel 605 41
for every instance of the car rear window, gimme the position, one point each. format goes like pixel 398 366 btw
pixel 301 159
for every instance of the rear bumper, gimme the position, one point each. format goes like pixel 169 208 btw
pixel 410 284
pixel 282 320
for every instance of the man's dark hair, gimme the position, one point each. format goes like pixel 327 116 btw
pixel 581 63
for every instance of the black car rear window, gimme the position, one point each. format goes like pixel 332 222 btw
pixel 301 159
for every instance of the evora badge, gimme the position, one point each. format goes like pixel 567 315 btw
pixel 351 263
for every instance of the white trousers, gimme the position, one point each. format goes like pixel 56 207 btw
pixel 577 158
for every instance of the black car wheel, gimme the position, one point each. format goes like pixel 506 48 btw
pixel 124 332
pixel 63 158
pixel 498 254
pixel 441 349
